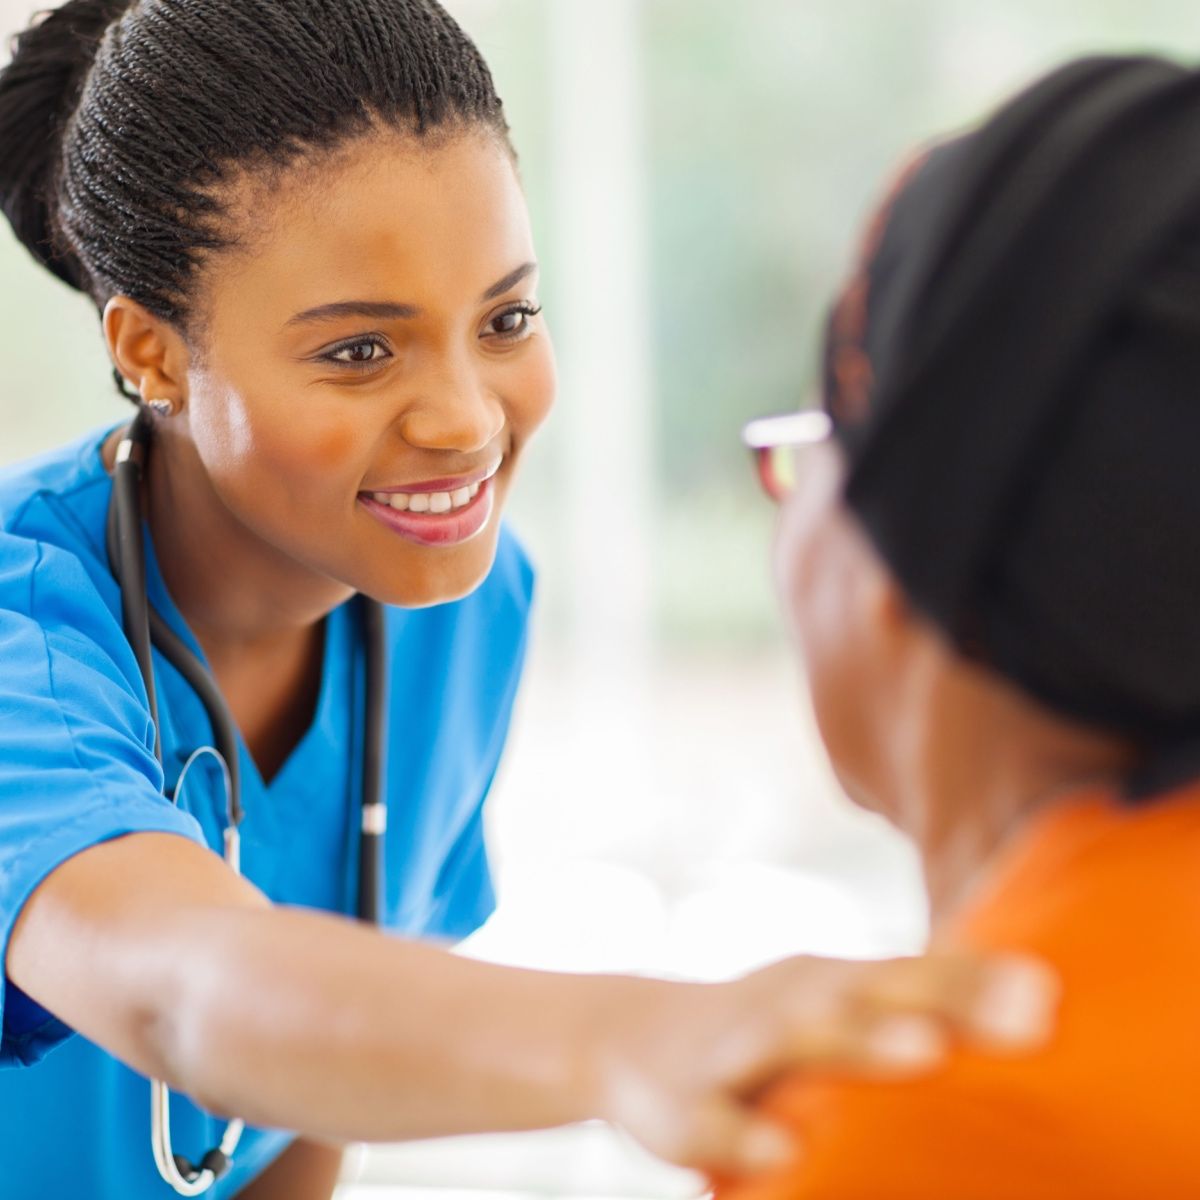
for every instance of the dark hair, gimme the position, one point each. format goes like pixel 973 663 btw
pixel 1012 375
pixel 120 118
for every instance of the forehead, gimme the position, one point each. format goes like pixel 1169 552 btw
pixel 389 217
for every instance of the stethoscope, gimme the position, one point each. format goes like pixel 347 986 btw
pixel 145 627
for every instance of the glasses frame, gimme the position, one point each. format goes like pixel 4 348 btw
pixel 764 435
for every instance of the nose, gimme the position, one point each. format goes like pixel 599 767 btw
pixel 456 411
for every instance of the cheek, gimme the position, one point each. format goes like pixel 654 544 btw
pixel 220 421
pixel 331 447
pixel 810 600
pixel 253 445
pixel 805 575
pixel 824 612
pixel 532 390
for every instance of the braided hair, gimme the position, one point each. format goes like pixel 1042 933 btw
pixel 121 119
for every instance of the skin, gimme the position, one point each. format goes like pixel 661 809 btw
pixel 948 751
pixel 306 1170
pixel 150 946
pixel 272 442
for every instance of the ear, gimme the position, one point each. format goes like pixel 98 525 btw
pixel 148 351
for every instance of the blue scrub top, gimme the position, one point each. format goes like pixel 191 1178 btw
pixel 77 767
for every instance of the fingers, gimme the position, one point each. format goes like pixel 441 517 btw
pixel 895 1018
pixel 1004 1002
pixel 705 1127
pixel 895 1045
pixel 901 1044
pixel 686 1086
pixel 724 1138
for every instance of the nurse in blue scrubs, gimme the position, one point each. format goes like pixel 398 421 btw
pixel 302 227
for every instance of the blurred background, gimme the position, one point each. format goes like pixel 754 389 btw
pixel 697 171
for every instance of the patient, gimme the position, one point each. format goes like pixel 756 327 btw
pixel 992 572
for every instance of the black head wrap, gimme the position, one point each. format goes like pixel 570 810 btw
pixel 1014 372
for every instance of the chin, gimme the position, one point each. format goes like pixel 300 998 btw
pixel 443 577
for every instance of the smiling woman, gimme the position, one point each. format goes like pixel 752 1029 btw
pixel 344 355
pixel 301 223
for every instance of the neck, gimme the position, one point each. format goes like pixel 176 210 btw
pixel 236 592
pixel 956 853
pixel 997 760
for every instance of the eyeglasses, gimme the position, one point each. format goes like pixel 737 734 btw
pixel 774 441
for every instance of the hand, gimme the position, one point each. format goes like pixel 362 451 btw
pixel 681 1068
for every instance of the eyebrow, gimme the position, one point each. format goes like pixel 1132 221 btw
pixel 509 281
pixel 381 309
pixel 387 310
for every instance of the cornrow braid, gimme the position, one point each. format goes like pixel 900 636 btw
pixel 119 119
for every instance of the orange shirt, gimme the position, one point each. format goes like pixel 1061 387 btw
pixel 1111 1109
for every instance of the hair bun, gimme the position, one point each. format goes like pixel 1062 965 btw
pixel 39 90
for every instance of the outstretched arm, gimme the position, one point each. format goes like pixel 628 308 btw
pixel 150 946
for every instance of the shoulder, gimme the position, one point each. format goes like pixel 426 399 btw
pixel 1107 896
pixel 60 630
pixel 58 501
pixel 61 471
pixel 59 605
pixel 53 567
pixel 1088 863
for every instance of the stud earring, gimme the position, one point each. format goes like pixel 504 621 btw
pixel 163 408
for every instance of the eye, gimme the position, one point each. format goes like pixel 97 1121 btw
pixel 361 352
pixel 513 324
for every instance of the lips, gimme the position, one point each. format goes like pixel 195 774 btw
pixel 434 501
pixel 449 524
pixel 449 485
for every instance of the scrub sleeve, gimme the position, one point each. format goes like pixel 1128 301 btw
pixel 77 763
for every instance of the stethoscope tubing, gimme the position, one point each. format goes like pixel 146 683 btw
pixel 374 807
pixel 145 629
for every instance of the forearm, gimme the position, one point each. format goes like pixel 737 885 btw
pixel 152 948
pixel 313 1023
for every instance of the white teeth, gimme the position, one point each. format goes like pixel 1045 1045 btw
pixel 429 502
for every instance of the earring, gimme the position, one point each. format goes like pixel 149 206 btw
pixel 163 408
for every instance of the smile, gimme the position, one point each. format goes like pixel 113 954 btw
pixel 435 513
pixel 431 502
pixel 436 495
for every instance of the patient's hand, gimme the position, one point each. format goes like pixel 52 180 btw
pixel 682 1075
